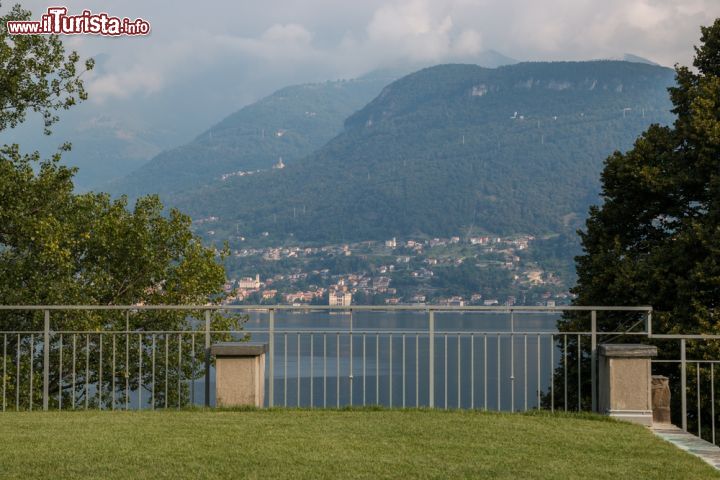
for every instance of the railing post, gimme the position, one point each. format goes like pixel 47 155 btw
pixel 46 360
pixel 207 358
pixel 431 354
pixel 350 378
pixel 271 360
pixel 593 360
pixel 683 384
pixel 512 360
pixel 648 324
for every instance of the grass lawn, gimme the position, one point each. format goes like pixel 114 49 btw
pixel 334 444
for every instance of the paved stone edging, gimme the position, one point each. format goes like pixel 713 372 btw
pixel 690 443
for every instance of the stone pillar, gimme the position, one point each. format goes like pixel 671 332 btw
pixel 239 374
pixel 661 399
pixel 624 381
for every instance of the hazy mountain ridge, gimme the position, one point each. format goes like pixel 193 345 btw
pixel 454 147
pixel 288 124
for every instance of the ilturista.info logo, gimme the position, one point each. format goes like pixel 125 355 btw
pixel 57 22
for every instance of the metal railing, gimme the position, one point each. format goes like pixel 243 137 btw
pixel 700 417
pixel 501 358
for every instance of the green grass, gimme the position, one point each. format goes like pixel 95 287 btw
pixel 334 444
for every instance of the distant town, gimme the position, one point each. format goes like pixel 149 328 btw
pixel 475 270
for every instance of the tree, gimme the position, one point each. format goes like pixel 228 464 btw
pixel 36 75
pixel 57 247
pixel 655 240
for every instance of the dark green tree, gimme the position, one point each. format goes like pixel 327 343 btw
pixel 655 240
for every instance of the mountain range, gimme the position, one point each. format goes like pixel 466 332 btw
pixel 447 149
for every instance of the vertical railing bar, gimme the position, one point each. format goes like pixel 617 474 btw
pixel 593 359
pixel 390 372
pixel 192 377
pixel 579 369
pixel 445 365
pixel 114 353
pixel 32 366
pixel 325 370
pixel 179 380
pixel 552 376
pixel 351 380
pixel 683 385
pixel 74 375
pixel 87 371
pixel 298 369
pixel 377 369
pixel 697 369
pixel 140 360
pixel 46 361
pixel 152 368
pixel 472 370
pixel 364 367
pixel 127 361
pixel 285 369
pixel 17 375
pixel 4 377
pixel 712 399
pixel 485 372
pixel 207 357
pixel 60 375
pixel 565 372
pixel 499 386
pixel 525 373
pixel 459 391
pixel 403 370
pixel 140 364
pixel 512 360
pixel 271 366
pixel 539 366
pixel 431 358
pixel 312 370
pixel 100 373
pixel 417 370
pixel 337 370
pixel 167 367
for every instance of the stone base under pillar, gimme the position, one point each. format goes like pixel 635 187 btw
pixel 643 417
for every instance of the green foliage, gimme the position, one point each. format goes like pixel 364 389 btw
pixel 57 247
pixel 438 153
pixel 61 248
pixel 655 239
pixel 35 74
pixel 467 279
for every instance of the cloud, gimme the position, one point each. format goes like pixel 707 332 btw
pixel 201 63
pixel 287 34
pixel 333 38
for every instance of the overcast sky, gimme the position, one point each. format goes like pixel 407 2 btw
pixel 207 60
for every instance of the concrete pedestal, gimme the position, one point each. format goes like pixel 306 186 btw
pixel 239 374
pixel 625 390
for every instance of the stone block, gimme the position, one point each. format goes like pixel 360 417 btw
pixel 624 381
pixel 239 374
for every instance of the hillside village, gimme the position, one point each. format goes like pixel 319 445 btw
pixel 478 270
